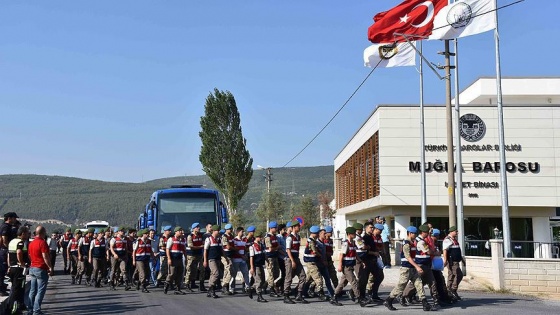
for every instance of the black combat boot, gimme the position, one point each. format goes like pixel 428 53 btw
pixel 455 295
pixel 193 284
pixel 351 295
pixel 389 304
pixel 212 292
pixel 137 285
pixel 260 298
pixel 301 299
pixel 404 302
pixel 334 301
pixel 250 291
pixel 435 304
pixel 426 306
pixel 287 299
pixel 188 287
pixel 225 290
pixel 273 293
pixel 127 286
pixel 364 301
pixel 145 289
pixel 79 281
pixel 165 287
pixel 201 287
pixel 73 280
pixel 321 295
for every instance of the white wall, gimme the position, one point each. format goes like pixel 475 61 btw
pixel 536 129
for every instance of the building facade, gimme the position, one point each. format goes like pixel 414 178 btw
pixel 378 171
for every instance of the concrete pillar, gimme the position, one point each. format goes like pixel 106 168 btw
pixel 401 223
pixel 497 249
pixel 541 233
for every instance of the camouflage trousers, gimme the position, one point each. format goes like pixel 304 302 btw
pixel 195 268
pixel 348 276
pixel 313 274
pixel 408 274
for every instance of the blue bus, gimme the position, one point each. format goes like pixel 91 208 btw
pixel 182 206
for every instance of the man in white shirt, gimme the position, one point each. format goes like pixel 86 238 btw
pixel 53 247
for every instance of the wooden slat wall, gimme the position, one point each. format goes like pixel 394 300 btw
pixel 358 178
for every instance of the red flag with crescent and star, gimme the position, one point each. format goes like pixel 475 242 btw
pixel 412 17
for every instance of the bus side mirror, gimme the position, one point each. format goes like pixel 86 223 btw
pixel 224 215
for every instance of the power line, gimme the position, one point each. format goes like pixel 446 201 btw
pixel 337 112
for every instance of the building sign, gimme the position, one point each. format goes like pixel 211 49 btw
pixel 472 128
pixel 473 147
pixel 478 167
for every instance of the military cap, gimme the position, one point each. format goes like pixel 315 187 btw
pixel 436 232
pixel 424 228
pixel 167 228
pixel 378 226
pixel 90 230
pixel 228 227
pixel 295 223
pixel 78 231
pixel 251 228
pixel 144 231
pixel 453 229
pixel 272 225
pixel 195 225
pixel 350 230
pixel 68 230
pixel 358 226
pixel 289 224
pixel 178 228
pixel 258 233
pixel 215 227
pixel 328 229
pixel 314 229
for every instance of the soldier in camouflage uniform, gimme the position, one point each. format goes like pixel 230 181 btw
pixel 271 253
pixel 311 256
pixel 410 271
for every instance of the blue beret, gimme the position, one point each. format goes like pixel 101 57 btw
pixel 251 228
pixel 314 229
pixel 328 229
pixel 167 228
pixel 289 224
pixel 222 231
pixel 412 229
pixel 435 232
pixel 272 224
pixel 378 226
pixel 195 225
pixel 228 226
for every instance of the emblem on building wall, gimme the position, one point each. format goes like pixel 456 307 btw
pixel 472 127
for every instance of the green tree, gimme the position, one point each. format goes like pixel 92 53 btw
pixel 272 207
pixel 224 156
pixel 309 211
pixel 326 212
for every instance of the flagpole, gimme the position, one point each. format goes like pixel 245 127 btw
pixel 458 158
pixel 503 177
pixel 424 212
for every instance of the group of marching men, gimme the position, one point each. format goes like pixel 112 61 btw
pixel 184 262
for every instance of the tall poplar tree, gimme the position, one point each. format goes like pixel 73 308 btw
pixel 224 156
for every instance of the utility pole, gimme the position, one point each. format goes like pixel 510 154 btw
pixel 268 179
pixel 449 121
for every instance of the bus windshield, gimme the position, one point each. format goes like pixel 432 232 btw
pixel 183 209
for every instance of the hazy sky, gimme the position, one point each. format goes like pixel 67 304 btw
pixel 114 90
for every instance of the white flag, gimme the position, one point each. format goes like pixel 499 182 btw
pixel 464 18
pixel 390 55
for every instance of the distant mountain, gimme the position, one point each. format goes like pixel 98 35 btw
pixel 75 201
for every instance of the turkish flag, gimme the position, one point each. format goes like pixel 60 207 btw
pixel 412 17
